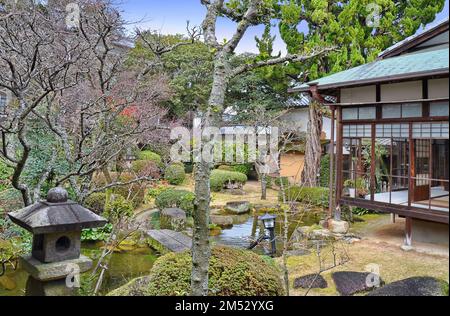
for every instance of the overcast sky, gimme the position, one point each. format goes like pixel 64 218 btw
pixel 170 16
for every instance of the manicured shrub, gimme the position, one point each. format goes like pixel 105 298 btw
pixel 96 202
pixel 232 272
pixel 176 198
pixel 175 174
pixel 150 156
pixel 314 196
pixel 156 190
pixel 243 168
pixel 146 168
pixel 225 167
pixel 135 192
pixel 221 178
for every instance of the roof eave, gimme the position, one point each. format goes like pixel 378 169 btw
pixel 409 76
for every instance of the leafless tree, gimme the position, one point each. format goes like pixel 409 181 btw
pixel 74 83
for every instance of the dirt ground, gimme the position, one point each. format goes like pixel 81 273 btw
pixel 251 188
pixel 378 249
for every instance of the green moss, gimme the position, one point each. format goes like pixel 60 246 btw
pixel 219 178
pixel 232 272
pixel 175 174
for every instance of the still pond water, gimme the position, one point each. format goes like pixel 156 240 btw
pixel 125 266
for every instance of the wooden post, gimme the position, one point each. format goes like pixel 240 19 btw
pixel 332 148
pixel 339 144
pixel 408 234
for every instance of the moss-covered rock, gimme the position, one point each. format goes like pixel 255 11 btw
pixel 233 272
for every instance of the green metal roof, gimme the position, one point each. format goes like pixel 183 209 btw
pixel 405 66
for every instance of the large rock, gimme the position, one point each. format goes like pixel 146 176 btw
pixel 338 227
pixel 349 283
pixel 238 207
pixel 417 286
pixel 312 281
pixel 173 219
pixel 222 221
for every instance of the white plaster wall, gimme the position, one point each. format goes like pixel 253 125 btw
pixel 438 88
pixel 402 91
pixel 359 94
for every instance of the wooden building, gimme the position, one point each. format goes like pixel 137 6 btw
pixel 392 144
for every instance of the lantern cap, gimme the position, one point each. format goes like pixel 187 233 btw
pixel 267 216
pixel 56 214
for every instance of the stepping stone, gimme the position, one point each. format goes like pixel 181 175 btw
pixel 169 241
pixel 349 283
pixel 417 286
pixel 313 281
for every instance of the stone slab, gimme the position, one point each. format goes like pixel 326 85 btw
pixel 417 286
pixel 56 270
pixel 349 282
pixel 171 240
pixel 312 281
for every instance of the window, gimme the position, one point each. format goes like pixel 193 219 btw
pixel 357 131
pixel 431 130
pixel 402 110
pixel 439 108
pixel 412 110
pixel 361 113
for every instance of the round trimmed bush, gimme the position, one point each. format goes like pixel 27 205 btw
pixel 96 202
pixel 220 178
pixel 150 156
pixel 175 174
pixel 232 272
pixel 146 168
pixel 176 198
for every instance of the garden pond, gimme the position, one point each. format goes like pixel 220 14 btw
pixel 127 265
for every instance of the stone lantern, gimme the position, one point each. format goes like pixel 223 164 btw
pixel 56 259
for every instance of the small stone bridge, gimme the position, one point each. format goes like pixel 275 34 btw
pixel 165 241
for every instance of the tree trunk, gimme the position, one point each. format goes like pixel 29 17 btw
pixel 313 151
pixel 263 186
pixel 201 251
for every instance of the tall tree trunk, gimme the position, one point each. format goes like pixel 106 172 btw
pixel 313 151
pixel 263 186
pixel 201 251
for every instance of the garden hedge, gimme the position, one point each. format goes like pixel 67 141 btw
pixel 176 198
pixel 232 272
pixel 175 174
pixel 150 156
pixel 219 178
pixel 314 196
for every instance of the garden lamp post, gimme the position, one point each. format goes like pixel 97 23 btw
pixel 55 261
pixel 269 224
